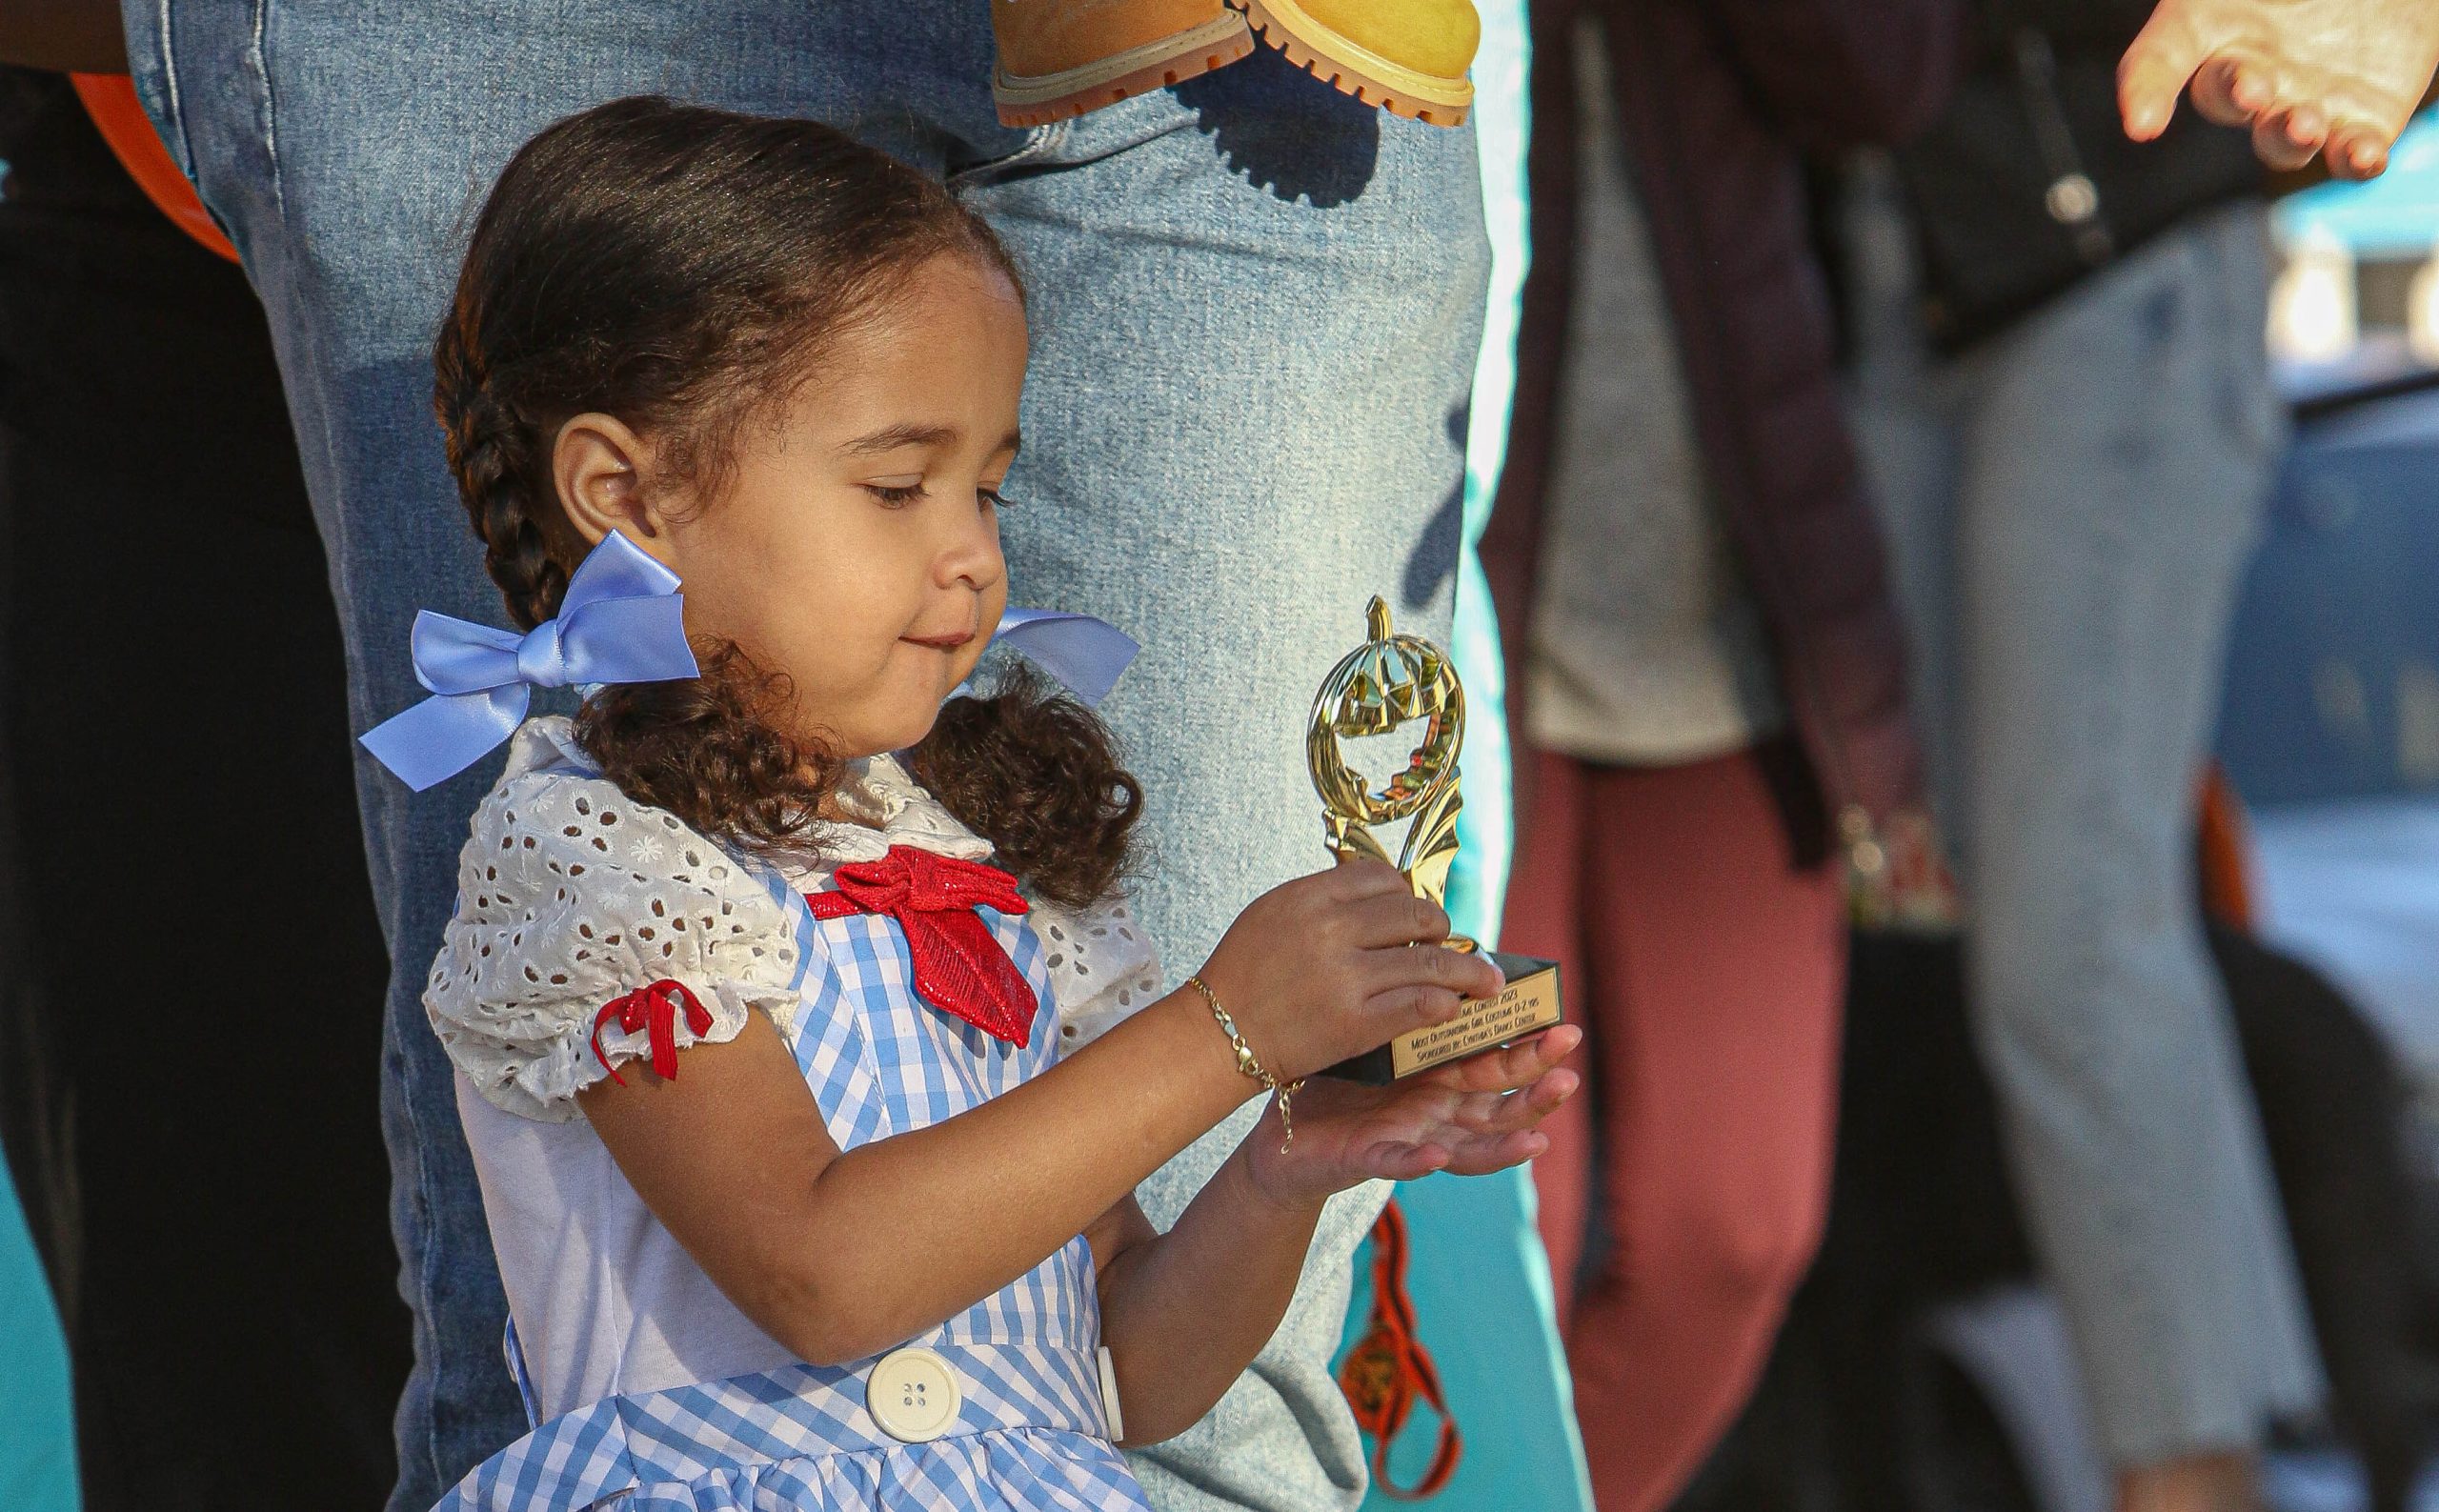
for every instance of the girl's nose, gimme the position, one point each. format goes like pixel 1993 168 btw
pixel 973 556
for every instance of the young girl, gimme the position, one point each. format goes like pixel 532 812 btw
pixel 808 1059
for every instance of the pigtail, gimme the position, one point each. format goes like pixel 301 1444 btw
pixel 488 452
pixel 1036 773
pixel 707 749
pixel 702 748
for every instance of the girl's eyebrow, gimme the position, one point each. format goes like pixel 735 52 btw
pixel 892 437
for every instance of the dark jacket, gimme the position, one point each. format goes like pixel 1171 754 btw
pixel 2028 182
pixel 1715 99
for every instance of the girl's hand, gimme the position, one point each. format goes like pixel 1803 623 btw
pixel 1327 966
pixel 2308 77
pixel 1472 1118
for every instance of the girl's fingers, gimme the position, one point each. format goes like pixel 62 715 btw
pixel 1392 920
pixel 1504 1113
pixel 1422 1112
pixel 1468 973
pixel 1399 1009
pixel 1393 1160
pixel 1484 1155
pixel 1513 1066
pixel 1356 878
pixel 1501 1070
pixel 1489 1112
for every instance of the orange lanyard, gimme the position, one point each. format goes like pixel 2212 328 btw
pixel 1388 1368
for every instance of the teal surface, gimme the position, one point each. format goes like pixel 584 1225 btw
pixel 2393 215
pixel 37 1436
pixel 1478 1275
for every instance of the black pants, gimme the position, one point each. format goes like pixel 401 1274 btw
pixel 193 975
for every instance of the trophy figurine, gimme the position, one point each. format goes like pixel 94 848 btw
pixel 1388 682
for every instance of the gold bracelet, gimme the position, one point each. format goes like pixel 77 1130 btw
pixel 1249 1066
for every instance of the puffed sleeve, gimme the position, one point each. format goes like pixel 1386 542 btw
pixel 1102 967
pixel 569 897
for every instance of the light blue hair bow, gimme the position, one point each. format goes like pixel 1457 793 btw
pixel 622 620
pixel 1086 655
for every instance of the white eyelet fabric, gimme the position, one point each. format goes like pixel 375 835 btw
pixel 1101 968
pixel 888 807
pixel 570 896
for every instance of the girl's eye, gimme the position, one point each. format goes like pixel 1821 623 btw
pixel 894 496
pixel 994 498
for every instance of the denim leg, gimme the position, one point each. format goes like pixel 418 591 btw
pixel 2114 455
pixel 1255 310
pixel 1252 234
pixel 2122 452
pixel 352 388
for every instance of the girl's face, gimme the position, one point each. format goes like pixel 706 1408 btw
pixel 854 545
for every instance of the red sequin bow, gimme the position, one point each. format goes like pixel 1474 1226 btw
pixel 653 1008
pixel 959 968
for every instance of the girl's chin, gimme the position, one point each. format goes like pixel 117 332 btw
pixel 893 720
pixel 899 735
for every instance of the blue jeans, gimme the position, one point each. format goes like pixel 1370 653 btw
pixel 2069 506
pixel 1255 307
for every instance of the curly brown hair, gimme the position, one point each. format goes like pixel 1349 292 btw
pixel 679 267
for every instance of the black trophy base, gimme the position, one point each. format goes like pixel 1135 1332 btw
pixel 1529 1005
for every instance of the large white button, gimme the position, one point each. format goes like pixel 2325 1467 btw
pixel 912 1395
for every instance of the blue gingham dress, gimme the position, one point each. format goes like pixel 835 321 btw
pixel 1032 1433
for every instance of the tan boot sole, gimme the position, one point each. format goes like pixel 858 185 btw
pixel 1038 101
pixel 1358 70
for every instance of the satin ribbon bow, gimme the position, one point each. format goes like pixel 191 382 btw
pixel 621 621
pixel 1084 653
pixel 959 968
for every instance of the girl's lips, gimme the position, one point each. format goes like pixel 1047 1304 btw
pixel 948 642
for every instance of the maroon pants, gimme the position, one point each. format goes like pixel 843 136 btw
pixel 1705 965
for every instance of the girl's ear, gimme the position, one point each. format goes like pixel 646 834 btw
pixel 598 467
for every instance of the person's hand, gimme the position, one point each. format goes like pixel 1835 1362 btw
pixel 1333 964
pixel 1472 1118
pixel 2339 77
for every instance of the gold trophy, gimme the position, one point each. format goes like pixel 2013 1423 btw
pixel 1390 682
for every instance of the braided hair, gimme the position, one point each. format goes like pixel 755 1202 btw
pixel 677 266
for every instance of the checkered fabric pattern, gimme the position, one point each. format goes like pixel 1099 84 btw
pixel 1030 1434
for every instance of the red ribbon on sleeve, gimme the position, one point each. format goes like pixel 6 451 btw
pixel 653 1008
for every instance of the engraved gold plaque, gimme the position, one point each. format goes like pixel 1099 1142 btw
pixel 1390 682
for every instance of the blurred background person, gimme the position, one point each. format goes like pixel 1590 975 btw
pixel 1712 692
pixel 37 1430
pixel 41 1447
pixel 221 1262
pixel 2063 395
